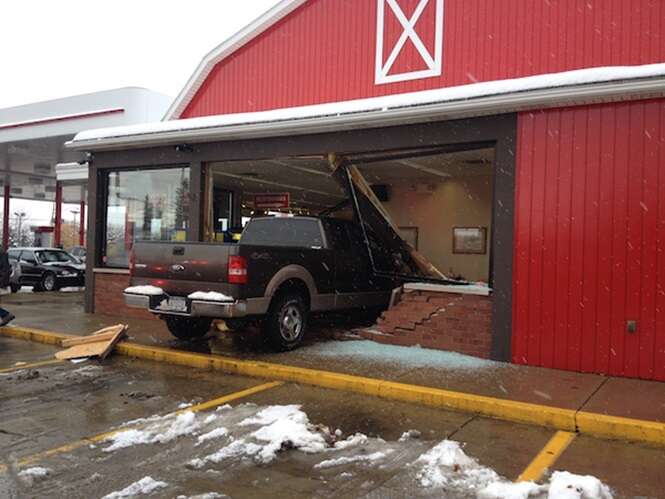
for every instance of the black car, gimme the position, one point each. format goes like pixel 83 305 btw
pixel 47 269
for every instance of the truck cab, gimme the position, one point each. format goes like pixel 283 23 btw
pixel 281 270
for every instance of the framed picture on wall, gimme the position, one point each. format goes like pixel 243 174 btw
pixel 470 240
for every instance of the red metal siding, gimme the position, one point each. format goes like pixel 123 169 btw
pixel 325 50
pixel 589 239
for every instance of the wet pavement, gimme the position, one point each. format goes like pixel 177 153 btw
pixel 63 312
pixel 53 405
pixel 56 405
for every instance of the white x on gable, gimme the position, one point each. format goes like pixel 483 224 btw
pixel 433 62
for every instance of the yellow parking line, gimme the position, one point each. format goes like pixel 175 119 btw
pixel 547 456
pixel 100 437
pixel 586 423
pixel 204 406
pixel 30 366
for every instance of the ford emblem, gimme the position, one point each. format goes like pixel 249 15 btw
pixel 177 268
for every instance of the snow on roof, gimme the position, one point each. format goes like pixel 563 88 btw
pixel 511 91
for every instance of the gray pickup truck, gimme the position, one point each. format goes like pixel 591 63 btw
pixel 281 270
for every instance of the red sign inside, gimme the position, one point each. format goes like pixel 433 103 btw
pixel 272 201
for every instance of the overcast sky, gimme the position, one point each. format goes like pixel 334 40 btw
pixel 56 48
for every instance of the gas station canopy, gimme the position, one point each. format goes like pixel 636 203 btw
pixel 32 156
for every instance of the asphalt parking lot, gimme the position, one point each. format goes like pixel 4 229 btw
pixel 56 418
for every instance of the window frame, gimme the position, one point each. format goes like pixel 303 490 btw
pixel 105 174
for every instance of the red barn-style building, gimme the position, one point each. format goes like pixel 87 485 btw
pixel 521 144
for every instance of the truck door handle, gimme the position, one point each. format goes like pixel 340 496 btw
pixel 179 251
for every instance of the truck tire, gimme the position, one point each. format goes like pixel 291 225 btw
pixel 186 328
pixel 286 322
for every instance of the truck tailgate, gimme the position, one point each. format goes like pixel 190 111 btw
pixel 183 268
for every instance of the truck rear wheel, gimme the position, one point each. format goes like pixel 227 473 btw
pixel 187 328
pixel 286 323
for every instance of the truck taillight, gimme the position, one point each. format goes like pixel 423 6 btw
pixel 237 270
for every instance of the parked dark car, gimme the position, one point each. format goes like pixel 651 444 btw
pixel 46 269
pixel 281 270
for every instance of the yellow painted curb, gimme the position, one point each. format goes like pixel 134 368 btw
pixel 511 410
pixel 603 425
pixel 593 424
pixel 36 335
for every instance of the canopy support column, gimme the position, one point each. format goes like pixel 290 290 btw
pixel 5 217
pixel 82 224
pixel 57 236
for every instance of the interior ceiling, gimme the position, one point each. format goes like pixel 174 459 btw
pixel 309 182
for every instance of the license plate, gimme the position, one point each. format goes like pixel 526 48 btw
pixel 174 304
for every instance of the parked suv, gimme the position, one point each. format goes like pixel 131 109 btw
pixel 47 269
pixel 281 270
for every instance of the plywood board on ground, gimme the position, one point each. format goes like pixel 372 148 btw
pixel 96 345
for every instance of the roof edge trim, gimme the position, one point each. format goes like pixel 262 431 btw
pixel 572 88
pixel 225 49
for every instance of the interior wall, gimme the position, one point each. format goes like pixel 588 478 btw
pixel 456 202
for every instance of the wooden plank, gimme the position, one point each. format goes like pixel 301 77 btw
pixel 84 340
pixel 111 344
pixel 79 351
pixel 104 334
pixel 100 348
pixel 365 189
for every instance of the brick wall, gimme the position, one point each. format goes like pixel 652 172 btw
pixel 109 299
pixel 440 320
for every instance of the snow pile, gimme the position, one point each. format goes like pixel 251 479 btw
pixel 447 466
pixel 280 428
pixel 35 474
pixel 210 296
pixel 211 435
pixel 360 458
pixel 162 431
pixel 564 485
pixel 207 495
pixel 145 290
pixel 146 485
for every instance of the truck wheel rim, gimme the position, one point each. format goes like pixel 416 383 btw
pixel 49 283
pixel 291 324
